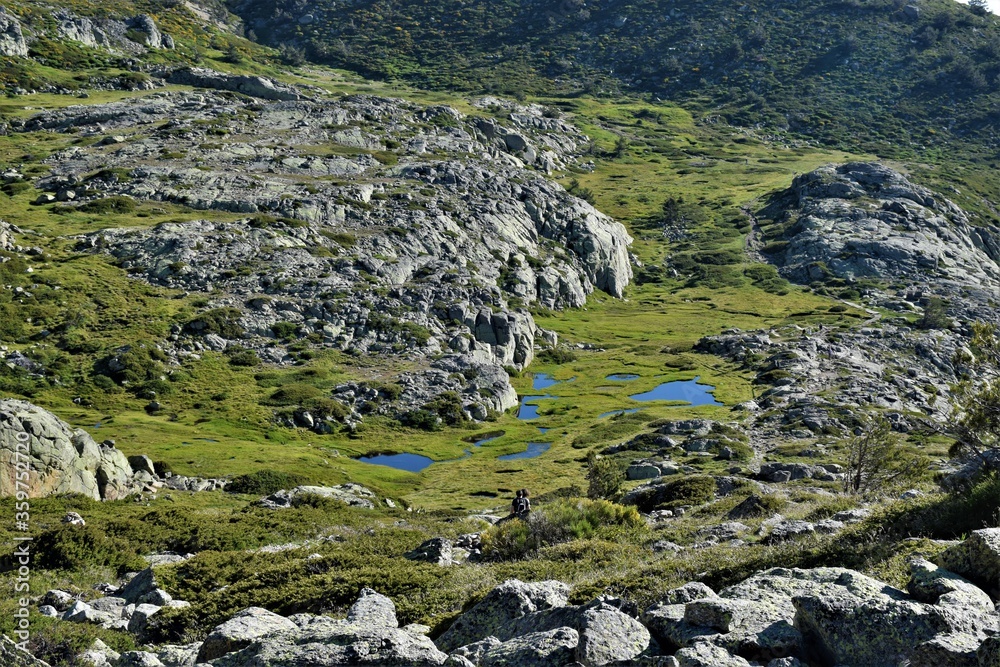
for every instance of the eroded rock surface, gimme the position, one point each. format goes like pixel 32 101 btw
pixel 423 234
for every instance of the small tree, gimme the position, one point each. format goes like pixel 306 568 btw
pixel 605 477
pixel 979 7
pixel 875 459
pixel 935 314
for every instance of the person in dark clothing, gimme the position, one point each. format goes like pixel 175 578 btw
pixel 521 505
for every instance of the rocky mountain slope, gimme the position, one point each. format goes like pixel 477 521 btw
pixel 371 224
pixel 862 72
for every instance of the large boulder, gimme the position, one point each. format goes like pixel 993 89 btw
pixel 241 630
pixel 56 458
pixel 977 559
pixel 254 86
pixel 498 613
pixel 554 648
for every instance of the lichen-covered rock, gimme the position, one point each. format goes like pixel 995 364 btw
pixel 474 651
pixel 57 459
pixel 554 648
pixel 179 656
pixel 704 654
pixel 12 42
pixel 373 610
pixel 319 641
pixel 498 613
pixel 241 630
pixel 139 659
pixel 977 559
pixel 12 656
pixel 607 635
pixel 832 616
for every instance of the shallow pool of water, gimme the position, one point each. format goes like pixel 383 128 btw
pixel 408 462
pixel 541 381
pixel 689 391
pixel 622 377
pixel 479 438
pixel 528 411
pixel 534 449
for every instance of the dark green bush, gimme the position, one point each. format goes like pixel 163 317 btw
pixel 692 490
pixel 284 329
pixel 108 205
pixel 240 356
pixel 264 482
pixel 556 355
pixel 222 321
pixel 71 547
pixel 556 523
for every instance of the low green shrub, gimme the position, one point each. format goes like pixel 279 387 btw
pixel 691 490
pixel 109 205
pixel 70 547
pixel 264 482
pixel 556 523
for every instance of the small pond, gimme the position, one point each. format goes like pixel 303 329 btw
pixel 527 411
pixel 689 391
pixel 480 438
pixel 534 449
pixel 622 377
pixel 408 462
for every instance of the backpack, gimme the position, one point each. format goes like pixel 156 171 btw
pixel 520 505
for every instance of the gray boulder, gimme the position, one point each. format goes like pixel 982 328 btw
pixel 373 610
pixel 254 86
pixel 241 630
pixel 977 559
pixel 553 648
pixel 139 659
pixel 60 460
pixel 704 654
pixel 498 613
pixel 179 656
pixel 607 635
pixel 436 550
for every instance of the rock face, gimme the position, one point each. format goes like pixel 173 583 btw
pixel 57 459
pixel 424 236
pixel 12 41
pixel 864 220
pixel 132 35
